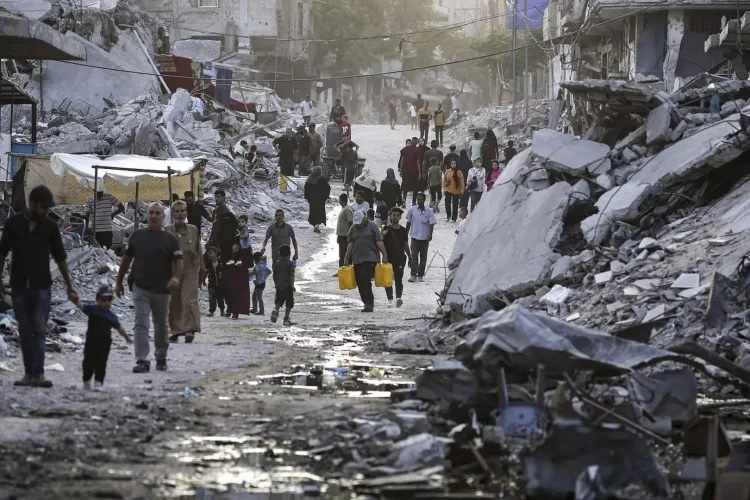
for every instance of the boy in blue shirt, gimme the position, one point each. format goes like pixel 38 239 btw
pixel 99 336
pixel 260 273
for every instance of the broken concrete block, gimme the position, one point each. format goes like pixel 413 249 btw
pixel 615 306
pixel 647 284
pixel 629 155
pixel 694 292
pixel 731 107
pixel 719 242
pixel 581 190
pixel 687 280
pixel 657 129
pixel 536 220
pixel 631 291
pixel 561 267
pixel 642 256
pixel 696 118
pixel 616 266
pixel 565 153
pixel 647 243
pixel 600 167
pixel 573 317
pixel 635 137
pixel 620 203
pixel 658 255
pixel 538 180
pixel 604 277
pixel 605 181
pixel 678 131
pixel 558 296
pixel 654 313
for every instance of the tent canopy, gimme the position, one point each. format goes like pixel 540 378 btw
pixel 72 177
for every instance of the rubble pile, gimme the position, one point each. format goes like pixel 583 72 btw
pixel 609 188
pixel 606 276
pixel 460 130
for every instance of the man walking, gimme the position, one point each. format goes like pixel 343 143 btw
pixel 196 212
pixel 337 111
pixel 455 104
pixel 439 124
pixel 33 237
pixel 433 152
pixel 280 233
pixel 419 103
pixel 365 241
pixel 420 223
pixel 396 242
pixel 307 109
pixel 103 215
pixel 425 115
pixel 316 145
pixel 157 270
pixel 392 115
pixel 343 224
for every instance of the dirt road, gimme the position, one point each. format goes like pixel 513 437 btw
pixel 248 406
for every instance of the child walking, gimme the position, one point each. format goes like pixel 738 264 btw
pixel 99 336
pixel 283 278
pixel 243 236
pixel 213 274
pixel 259 273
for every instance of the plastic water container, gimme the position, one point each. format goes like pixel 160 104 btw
pixel 383 275
pixel 347 280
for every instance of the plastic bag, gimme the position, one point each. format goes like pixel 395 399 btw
pixel 346 278
pixel 383 275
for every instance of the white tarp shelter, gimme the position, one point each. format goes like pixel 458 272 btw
pixel 72 177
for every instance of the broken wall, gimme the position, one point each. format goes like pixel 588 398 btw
pixel 84 85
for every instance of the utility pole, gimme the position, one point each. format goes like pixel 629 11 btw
pixel 526 66
pixel 515 16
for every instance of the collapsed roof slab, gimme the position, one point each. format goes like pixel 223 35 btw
pixel 25 39
pixel 565 153
pixel 619 95
pixel 710 148
pixel 507 243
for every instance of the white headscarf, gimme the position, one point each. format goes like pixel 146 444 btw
pixel 366 180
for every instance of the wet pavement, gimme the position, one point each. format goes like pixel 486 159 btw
pixel 246 411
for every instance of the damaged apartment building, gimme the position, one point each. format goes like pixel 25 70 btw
pixel 236 34
pixel 638 41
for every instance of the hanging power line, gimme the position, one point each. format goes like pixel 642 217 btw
pixel 419 68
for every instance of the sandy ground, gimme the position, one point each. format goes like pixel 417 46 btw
pixel 219 417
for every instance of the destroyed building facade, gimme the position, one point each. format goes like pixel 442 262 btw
pixel 638 41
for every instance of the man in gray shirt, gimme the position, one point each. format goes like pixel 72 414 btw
pixel 280 233
pixel 365 243
pixel 156 272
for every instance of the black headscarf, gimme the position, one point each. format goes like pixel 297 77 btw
pixel 464 163
pixel 390 177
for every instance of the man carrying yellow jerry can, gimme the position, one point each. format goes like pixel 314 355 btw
pixel 365 245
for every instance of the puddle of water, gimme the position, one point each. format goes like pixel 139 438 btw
pixel 328 254
pixel 358 379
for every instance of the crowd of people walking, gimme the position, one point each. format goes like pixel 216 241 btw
pixel 165 263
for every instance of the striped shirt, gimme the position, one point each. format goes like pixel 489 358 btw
pixel 104 209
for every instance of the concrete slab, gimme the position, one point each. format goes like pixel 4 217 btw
pixel 519 228
pixel 85 85
pixel 657 126
pixel 604 277
pixel 687 280
pixel 619 203
pixel 565 153
pixel 26 39
pixel 655 313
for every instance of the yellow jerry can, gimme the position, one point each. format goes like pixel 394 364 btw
pixel 346 278
pixel 383 275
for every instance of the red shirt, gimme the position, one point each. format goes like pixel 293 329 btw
pixel 412 159
pixel 346 127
